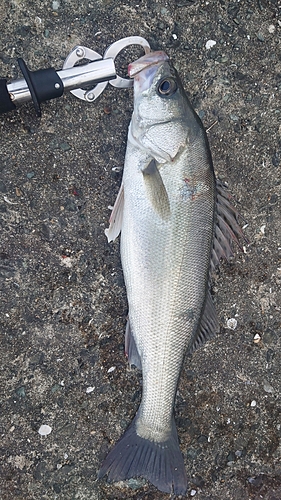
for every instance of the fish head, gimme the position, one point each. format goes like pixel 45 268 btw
pixel 161 109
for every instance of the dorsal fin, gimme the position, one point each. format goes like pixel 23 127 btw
pixel 227 229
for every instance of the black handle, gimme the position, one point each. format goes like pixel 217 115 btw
pixel 43 84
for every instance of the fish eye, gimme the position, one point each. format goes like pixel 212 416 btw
pixel 167 87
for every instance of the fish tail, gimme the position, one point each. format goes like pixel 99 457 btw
pixel 161 463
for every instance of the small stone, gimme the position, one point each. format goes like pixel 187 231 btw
pixel 55 388
pixel 135 484
pixel 65 146
pixel 3 188
pixel 202 439
pixel 257 338
pixel 275 159
pixel 193 493
pixel 21 392
pixel 210 44
pixel 260 37
pixel 231 323
pixel 192 453
pixel 29 175
pixel 256 481
pixel 70 205
pixel 56 488
pixel 253 403
pixel 89 390
pixel 231 458
pixel 270 336
pixel 271 28
pixel 44 430
pixel 268 388
pixel 111 369
pixel 55 5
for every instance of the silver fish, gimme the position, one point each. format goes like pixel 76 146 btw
pixel 176 224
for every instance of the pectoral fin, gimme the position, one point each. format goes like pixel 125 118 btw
pixel 116 218
pixel 156 190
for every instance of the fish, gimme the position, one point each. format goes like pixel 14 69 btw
pixel 177 223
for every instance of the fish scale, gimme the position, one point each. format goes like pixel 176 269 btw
pixel 172 232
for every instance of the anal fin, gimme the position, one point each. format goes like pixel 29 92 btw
pixel 131 348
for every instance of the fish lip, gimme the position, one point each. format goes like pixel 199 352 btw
pixel 146 61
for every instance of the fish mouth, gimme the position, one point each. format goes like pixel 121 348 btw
pixel 144 69
pixel 146 61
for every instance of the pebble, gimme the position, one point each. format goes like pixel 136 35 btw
pixel 135 484
pixel 271 28
pixel 257 338
pixel 268 388
pixel 89 389
pixel 111 369
pixel 55 5
pixel 44 430
pixel 21 392
pixel 65 146
pixel 210 44
pixel 231 323
pixel 29 175
pixel 3 188
pixel 253 403
pixel 193 493
pixel 275 159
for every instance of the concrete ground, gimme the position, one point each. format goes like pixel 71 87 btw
pixel 63 302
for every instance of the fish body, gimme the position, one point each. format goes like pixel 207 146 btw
pixel 171 234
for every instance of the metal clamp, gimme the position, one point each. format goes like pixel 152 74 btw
pixel 79 53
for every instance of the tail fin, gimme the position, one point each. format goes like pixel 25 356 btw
pixel 161 463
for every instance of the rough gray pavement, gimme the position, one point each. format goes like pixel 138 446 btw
pixel 63 302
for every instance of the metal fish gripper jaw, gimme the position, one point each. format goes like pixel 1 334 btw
pixel 86 80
